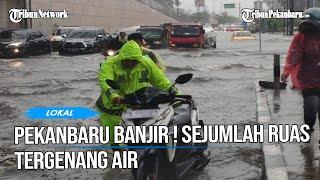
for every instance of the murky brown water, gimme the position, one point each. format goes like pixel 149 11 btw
pixel 223 86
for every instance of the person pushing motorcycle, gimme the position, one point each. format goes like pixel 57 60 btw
pixel 131 71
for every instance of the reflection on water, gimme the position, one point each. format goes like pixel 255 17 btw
pixel 276 100
pixel 311 164
pixel 15 64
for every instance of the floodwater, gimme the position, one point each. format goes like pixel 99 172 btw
pixel 223 86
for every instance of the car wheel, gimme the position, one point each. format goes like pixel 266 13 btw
pixel 214 45
pixel 61 52
pixel 26 53
pixel 48 50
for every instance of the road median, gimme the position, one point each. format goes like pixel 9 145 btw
pixel 273 159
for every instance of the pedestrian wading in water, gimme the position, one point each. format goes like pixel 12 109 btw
pixel 303 65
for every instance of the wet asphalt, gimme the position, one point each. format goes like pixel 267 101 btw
pixel 223 86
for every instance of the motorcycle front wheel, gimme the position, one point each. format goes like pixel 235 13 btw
pixel 157 168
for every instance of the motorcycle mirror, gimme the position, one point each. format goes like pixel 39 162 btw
pixel 183 78
pixel 100 36
pixel 112 84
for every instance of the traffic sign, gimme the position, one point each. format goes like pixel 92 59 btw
pixel 229 6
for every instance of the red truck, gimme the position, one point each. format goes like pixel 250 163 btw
pixel 186 35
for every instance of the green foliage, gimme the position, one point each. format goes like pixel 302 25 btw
pixel 224 19
pixel 166 3
pixel 200 17
pixel 271 25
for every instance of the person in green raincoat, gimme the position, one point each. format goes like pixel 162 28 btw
pixel 132 71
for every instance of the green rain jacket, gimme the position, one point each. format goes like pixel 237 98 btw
pixel 144 74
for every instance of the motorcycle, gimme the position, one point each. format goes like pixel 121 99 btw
pixel 109 52
pixel 151 106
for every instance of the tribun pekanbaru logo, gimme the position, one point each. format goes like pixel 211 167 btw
pixel 16 15
pixel 249 15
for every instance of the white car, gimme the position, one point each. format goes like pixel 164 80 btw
pixel 60 35
pixel 210 39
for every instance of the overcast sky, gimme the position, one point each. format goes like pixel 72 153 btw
pixel 216 5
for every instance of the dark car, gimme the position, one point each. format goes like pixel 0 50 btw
pixel 59 36
pixel 23 42
pixel 84 41
pixel 155 37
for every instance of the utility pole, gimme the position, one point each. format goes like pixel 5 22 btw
pixel 239 10
pixel 30 9
pixel 260 46
pixel 220 8
pixel 283 20
pixel 213 6
pixel 291 20
pixel 287 21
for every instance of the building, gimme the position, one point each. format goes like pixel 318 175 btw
pixel 108 14
pixel 5 6
pixel 262 5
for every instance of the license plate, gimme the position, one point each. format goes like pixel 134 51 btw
pixel 140 114
pixel 73 50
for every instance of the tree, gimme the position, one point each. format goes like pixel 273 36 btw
pixel 177 3
pixel 225 19
pixel 201 17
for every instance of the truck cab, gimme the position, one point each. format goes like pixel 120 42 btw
pixel 155 36
pixel 186 35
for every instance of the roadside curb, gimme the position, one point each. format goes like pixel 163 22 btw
pixel 274 164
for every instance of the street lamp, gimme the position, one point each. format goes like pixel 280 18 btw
pixel 260 48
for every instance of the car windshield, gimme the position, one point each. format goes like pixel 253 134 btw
pixel 185 31
pixel 243 34
pixel 63 31
pixel 13 35
pixel 88 34
pixel 151 33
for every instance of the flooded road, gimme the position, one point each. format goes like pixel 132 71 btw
pixel 223 86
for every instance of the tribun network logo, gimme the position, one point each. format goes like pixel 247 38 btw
pixel 249 15
pixel 16 15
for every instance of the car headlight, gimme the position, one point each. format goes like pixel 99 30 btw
pixel 89 44
pixel 157 42
pixel 17 44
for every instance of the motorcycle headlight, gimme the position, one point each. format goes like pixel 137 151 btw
pixel 16 44
pixel 111 52
pixel 163 115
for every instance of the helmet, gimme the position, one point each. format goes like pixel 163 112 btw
pixel 137 36
pixel 313 14
pixel 311 21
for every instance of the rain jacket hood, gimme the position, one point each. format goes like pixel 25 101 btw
pixel 312 18
pixel 130 51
